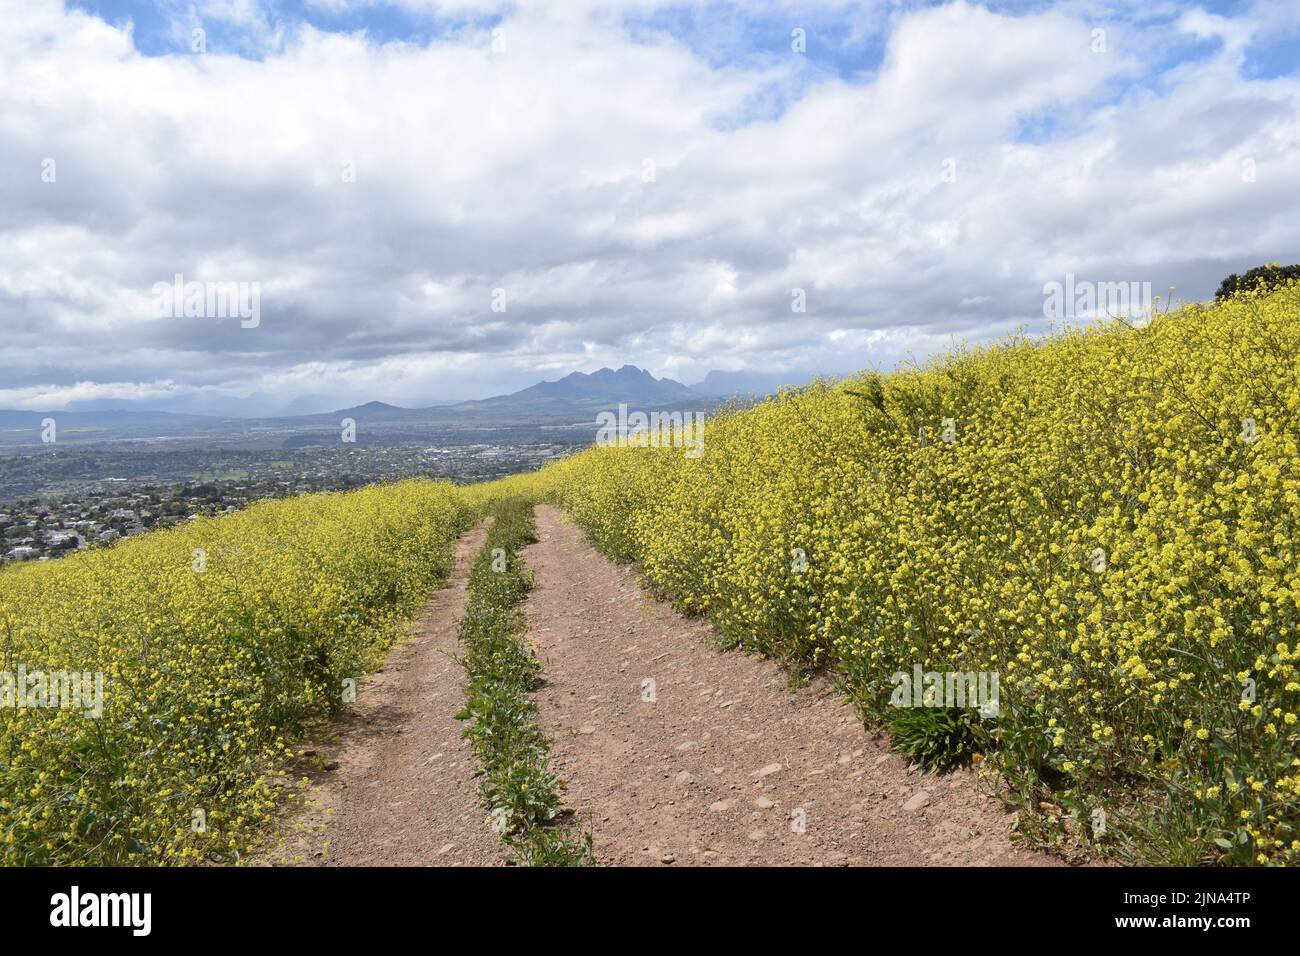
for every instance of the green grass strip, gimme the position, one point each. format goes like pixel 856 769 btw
pixel 517 786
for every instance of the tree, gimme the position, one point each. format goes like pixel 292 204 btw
pixel 1259 279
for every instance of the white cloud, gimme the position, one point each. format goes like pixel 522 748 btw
pixel 479 169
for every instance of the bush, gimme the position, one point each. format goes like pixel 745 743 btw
pixel 1262 279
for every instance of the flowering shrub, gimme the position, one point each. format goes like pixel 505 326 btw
pixel 1107 519
pixel 216 640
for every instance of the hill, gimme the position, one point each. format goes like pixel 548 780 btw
pixel 1098 528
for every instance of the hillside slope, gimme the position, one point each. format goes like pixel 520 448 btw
pixel 1105 521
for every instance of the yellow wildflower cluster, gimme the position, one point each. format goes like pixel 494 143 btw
pixel 1106 519
pixel 215 640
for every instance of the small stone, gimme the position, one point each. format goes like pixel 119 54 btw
pixel 768 770
pixel 763 803
pixel 667 858
pixel 720 806
pixel 587 729
pixel 686 745
pixel 757 835
pixel 685 777
pixel 918 800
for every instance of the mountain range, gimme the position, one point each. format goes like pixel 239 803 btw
pixel 574 399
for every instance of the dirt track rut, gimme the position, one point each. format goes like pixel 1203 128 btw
pixel 402 793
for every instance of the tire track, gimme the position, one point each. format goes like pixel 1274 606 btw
pixel 401 791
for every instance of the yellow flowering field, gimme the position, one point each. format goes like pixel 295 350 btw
pixel 215 642
pixel 1105 519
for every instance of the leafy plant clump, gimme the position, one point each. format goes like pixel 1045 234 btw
pixel 518 787
pixel 937 738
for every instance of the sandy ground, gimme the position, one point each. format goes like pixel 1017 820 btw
pixel 400 790
pixel 677 754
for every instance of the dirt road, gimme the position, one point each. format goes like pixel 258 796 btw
pixel 673 752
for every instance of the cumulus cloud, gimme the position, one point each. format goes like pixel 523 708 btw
pixel 627 196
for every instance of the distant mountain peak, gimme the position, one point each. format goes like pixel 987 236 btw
pixel 603 388
pixel 624 372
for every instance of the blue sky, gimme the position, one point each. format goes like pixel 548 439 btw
pixel 162 26
pixel 847 39
pixel 646 182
